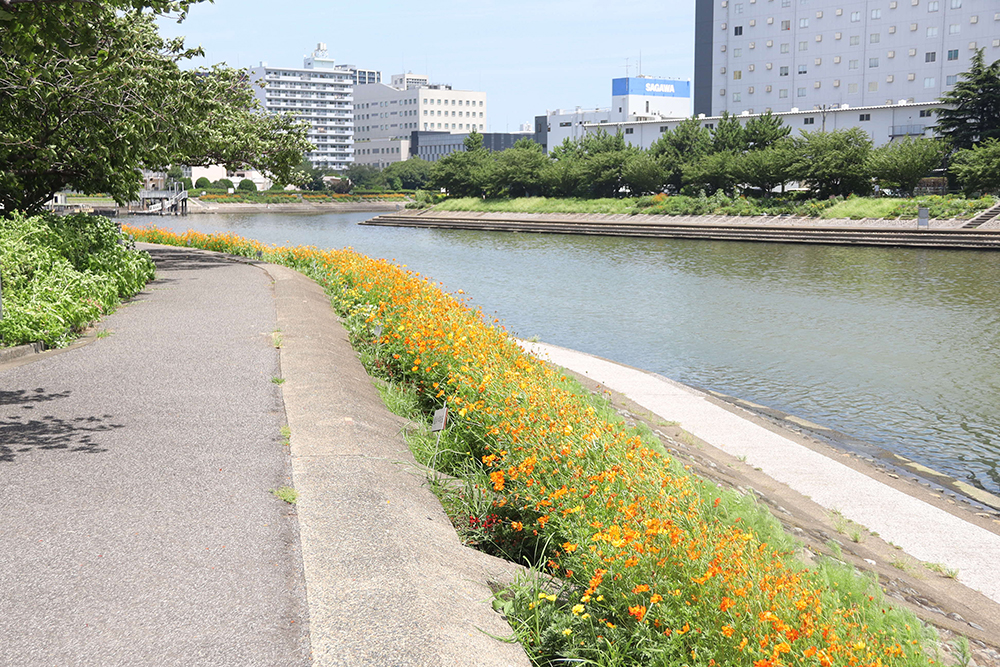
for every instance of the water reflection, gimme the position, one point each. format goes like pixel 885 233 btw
pixel 894 346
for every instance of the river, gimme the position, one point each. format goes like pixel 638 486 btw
pixel 897 347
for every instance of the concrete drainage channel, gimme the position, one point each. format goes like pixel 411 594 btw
pixel 783 232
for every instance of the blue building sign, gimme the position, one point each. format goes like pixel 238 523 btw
pixel 650 87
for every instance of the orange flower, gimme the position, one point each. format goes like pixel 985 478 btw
pixel 639 611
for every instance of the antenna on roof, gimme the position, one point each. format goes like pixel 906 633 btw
pixel 626 68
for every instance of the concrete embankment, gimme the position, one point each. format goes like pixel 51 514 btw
pixel 775 229
pixel 196 206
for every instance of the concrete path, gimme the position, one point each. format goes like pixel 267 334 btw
pixel 138 527
pixel 920 529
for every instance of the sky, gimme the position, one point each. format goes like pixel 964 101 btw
pixel 528 56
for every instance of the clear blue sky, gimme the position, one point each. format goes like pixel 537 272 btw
pixel 527 56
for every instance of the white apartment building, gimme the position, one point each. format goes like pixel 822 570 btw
pixel 320 93
pixel 754 55
pixel 632 99
pixel 385 116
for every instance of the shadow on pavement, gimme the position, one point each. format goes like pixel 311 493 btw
pixel 21 433
pixel 180 259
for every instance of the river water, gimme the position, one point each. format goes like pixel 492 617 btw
pixel 897 347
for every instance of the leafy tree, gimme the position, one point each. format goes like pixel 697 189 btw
pixel 519 170
pixel 688 142
pixel 366 176
pixel 901 164
pixel 175 173
pixel 972 113
pixel 186 183
pixel 246 185
pixel 978 169
pixel 203 183
pixel 834 163
pixel 412 174
pixel 275 187
pixel 92 94
pixel 767 168
pixel 643 174
pixel 602 159
pixel 466 173
pixel 711 173
pixel 765 130
pixel 223 184
pixel 728 135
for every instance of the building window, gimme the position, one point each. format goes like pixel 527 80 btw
pixel 954 28
pixel 738 30
pixel 932 32
pixel 800 92
pixel 855 40
pixel 783 93
pixel 874 38
pixel 809 121
pixel 737 75
pixel 629 130
pixel 786 25
pixel 852 64
pixel 872 87
pixel 783 70
pixel 803 23
pixel 953 54
pixel 928 82
pixel 926 113
pixel 803 69
pixel 855 17
pixel 852 88
pixel 956 4
pixel 932 6
pixel 872 63
pixel 784 48
pixel 736 97
pixel 876 13
pixel 738 8
pixel 864 117
pixel 951 79
pixel 930 56
pixel 737 53
pixel 803 46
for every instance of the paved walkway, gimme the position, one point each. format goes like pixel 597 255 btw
pixel 138 527
pixel 921 530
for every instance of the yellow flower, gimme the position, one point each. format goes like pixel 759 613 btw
pixel 578 609
pixel 567 632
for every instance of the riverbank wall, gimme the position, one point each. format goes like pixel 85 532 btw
pixel 774 229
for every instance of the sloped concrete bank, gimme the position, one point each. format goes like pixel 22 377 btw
pixel 774 229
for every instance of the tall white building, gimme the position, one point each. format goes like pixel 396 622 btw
pixel 320 93
pixel 385 116
pixel 758 55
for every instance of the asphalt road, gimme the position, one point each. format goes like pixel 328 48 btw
pixel 137 525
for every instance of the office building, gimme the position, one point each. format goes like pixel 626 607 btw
pixel 320 93
pixel 755 55
pixel 386 116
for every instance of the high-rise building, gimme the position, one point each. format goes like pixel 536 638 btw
pixel 779 55
pixel 320 93
pixel 386 116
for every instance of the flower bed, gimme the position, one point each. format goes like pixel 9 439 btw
pixel 648 564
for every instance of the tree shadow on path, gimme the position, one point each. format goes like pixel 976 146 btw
pixel 22 432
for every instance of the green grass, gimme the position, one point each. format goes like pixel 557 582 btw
pixel 277 380
pixel 286 493
pixel 539 205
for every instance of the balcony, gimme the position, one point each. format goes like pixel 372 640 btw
pixel 907 130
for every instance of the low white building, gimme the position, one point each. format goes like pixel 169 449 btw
pixel 632 99
pixel 883 123
pixel 385 116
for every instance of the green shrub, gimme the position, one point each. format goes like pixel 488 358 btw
pixel 61 273
pixel 246 185
pixel 203 183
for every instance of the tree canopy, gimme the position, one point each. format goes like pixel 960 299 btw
pixel 972 114
pixel 90 94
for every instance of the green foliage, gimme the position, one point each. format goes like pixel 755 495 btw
pixel 66 122
pixel 59 274
pixel 711 173
pixel 764 131
pixel 728 135
pixel 833 163
pixel 972 114
pixel 978 169
pixel 203 183
pixel 519 170
pixel 766 168
pixel 223 184
pixel 411 174
pixel 901 164
pixel 186 182
pixel 246 185
pixel 467 173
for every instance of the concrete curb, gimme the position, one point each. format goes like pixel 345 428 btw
pixel 920 529
pixel 387 580
pixel 12 353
